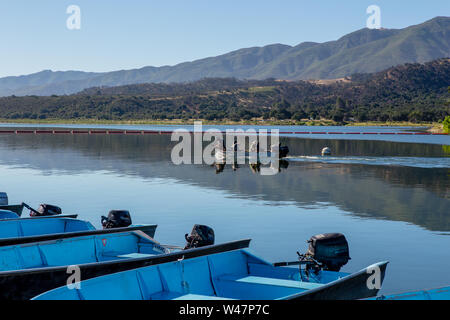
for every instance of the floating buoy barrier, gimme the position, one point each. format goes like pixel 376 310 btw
pixel 143 132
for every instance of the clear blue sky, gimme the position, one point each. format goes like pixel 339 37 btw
pixel 135 33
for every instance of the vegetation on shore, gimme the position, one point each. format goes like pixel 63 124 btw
pixel 432 126
pixel 412 93
pixel 446 124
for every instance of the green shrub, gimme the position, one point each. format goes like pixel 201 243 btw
pixel 447 124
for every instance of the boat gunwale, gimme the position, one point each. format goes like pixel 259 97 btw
pixel 67 216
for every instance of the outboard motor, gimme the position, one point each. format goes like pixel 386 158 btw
pixel 116 219
pixel 45 210
pixel 200 236
pixel 284 150
pixel 330 250
pixel 3 199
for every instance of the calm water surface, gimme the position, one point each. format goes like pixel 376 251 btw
pixel 390 198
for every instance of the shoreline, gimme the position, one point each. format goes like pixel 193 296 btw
pixel 427 126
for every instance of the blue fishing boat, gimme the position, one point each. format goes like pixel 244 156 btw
pixel 30 269
pixel 6 214
pixel 236 274
pixel 433 294
pixel 17 231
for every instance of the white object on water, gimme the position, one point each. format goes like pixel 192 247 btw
pixel 3 199
pixel 326 151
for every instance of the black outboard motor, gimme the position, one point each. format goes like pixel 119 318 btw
pixel 200 236
pixel 284 150
pixel 46 210
pixel 330 250
pixel 116 219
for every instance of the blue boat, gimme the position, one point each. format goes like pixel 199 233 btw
pixel 30 269
pixel 17 231
pixel 7 214
pixel 433 294
pixel 236 274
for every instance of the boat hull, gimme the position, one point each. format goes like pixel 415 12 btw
pixel 349 288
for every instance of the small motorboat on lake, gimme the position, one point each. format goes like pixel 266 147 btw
pixel 230 275
pixel 237 274
pixel 31 269
pixel 18 231
pixel 253 155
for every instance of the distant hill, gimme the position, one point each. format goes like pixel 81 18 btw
pixel 411 92
pixel 363 51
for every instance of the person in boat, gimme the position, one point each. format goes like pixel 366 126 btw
pixel 254 147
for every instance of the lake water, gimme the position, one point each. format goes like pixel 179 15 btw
pixel 390 195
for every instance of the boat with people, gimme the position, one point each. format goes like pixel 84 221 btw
pixel 236 274
pixel 253 155
pixel 31 269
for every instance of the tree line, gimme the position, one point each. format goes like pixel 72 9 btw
pixel 410 92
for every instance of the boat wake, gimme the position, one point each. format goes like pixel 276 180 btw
pixel 417 162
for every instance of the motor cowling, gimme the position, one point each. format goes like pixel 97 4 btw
pixel 116 219
pixel 330 250
pixel 284 150
pixel 45 210
pixel 200 236
pixel 3 199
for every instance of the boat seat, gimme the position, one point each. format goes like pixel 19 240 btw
pixel 271 282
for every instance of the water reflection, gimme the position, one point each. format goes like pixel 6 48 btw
pixel 254 167
pixel 419 195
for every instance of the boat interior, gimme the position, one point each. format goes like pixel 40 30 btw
pixel 77 251
pixel 230 275
pixel 30 227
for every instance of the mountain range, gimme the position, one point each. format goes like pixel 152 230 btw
pixel 363 51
